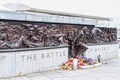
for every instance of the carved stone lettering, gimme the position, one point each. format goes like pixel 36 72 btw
pixel 42 56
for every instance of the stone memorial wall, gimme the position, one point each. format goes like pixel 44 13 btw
pixel 46 43
pixel 17 63
pixel 106 51
pixel 20 35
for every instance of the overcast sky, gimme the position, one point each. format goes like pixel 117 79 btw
pixel 105 8
pixel 91 7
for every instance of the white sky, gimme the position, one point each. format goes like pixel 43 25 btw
pixel 105 8
pixel 91 7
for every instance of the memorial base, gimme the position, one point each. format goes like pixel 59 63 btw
pixel 16 63
pixel 106 51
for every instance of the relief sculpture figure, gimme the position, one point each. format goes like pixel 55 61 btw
pixel 15 35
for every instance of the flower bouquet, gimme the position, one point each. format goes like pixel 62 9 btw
pixel 83 63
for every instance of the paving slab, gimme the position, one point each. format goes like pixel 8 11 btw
pixel 82 78
pixel 64 78
pixel 4 79
pixel 20 78
pixel 53 74
pixel 104 72
pixel 39 78
pixel 33 74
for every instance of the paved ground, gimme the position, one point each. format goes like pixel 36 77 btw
pixel 108 71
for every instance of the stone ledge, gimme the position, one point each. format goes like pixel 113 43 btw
pixel 42 17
